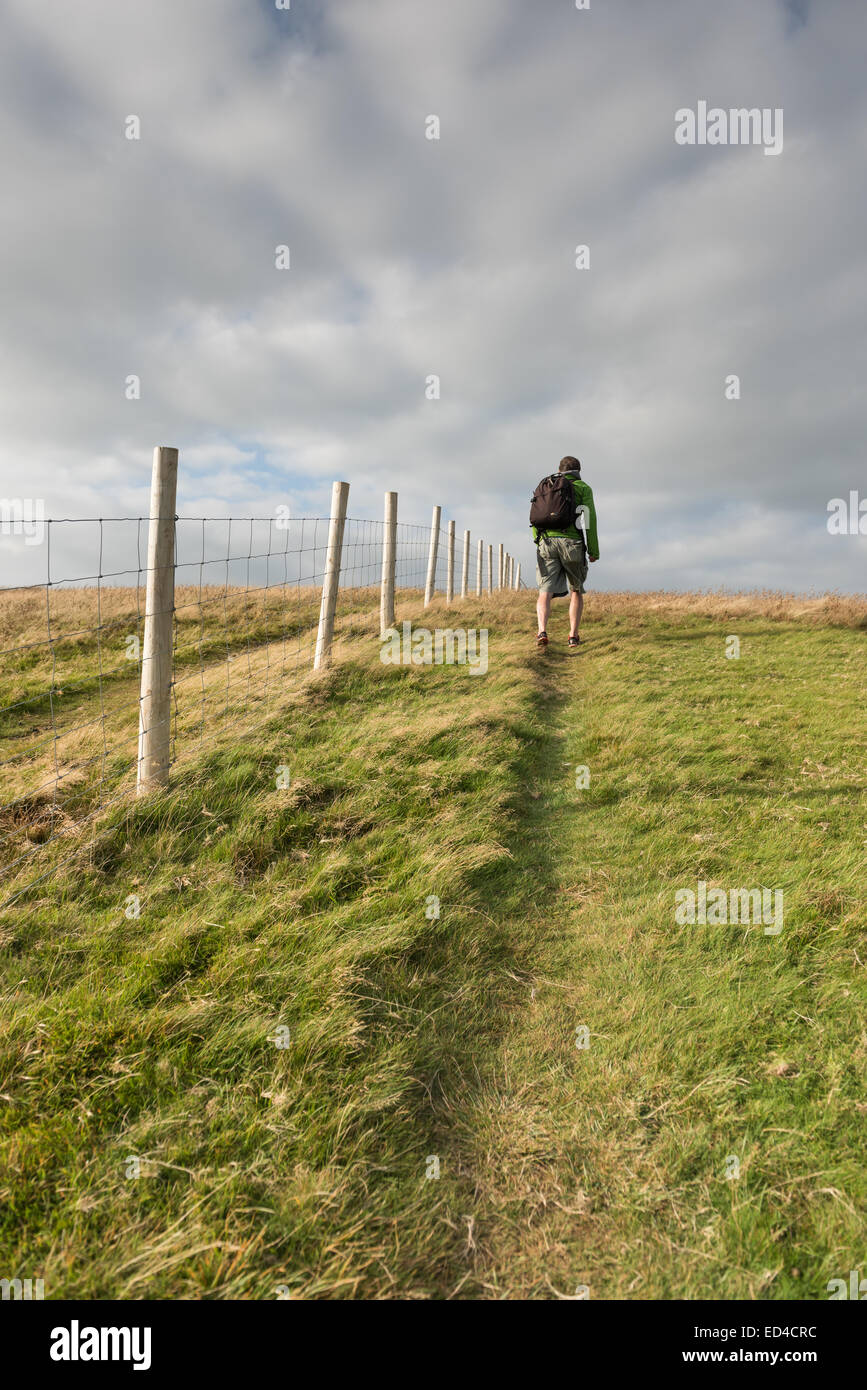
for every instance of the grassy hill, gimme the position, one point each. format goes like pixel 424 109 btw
pixel 247 1089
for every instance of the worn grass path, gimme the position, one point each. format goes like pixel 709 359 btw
pixel 156 1141
pixel 713 1050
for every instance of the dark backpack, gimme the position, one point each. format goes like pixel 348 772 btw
pixel 554 506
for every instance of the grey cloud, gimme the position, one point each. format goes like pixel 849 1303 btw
pixel 455 257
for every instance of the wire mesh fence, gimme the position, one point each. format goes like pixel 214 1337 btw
pixel 246 612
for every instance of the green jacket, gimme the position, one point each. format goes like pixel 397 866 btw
pixel 584 498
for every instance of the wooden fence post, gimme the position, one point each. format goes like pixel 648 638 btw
pixel 450 566
pixel 430 583
pixel 155 707
pixel 500 565
pixel 518 576
pixel 490 569
pixel 479 569
pixel 389 553
pixel 331 582
pixel 465 572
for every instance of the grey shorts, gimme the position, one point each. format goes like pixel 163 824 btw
pixel 558 559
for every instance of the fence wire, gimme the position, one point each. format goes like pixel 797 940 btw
pixel 246 612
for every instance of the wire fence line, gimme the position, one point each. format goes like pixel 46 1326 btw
pixel 182 627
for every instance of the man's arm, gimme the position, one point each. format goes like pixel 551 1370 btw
pixel 592 538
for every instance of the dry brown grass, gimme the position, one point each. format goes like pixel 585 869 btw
pixel 32 615
pixel 25 613
pixel 829 610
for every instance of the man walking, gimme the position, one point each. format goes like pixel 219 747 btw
pixel 563 518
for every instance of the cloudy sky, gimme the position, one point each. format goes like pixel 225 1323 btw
pixel 411 257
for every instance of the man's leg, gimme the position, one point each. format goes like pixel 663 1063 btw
pixel 576 608
pixel 543 609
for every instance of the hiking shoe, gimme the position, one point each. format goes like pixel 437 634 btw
pixel 542 639
pixel 574 641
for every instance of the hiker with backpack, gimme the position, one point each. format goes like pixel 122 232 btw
pixel 563 518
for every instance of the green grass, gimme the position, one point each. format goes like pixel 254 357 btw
pixel 412 1037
